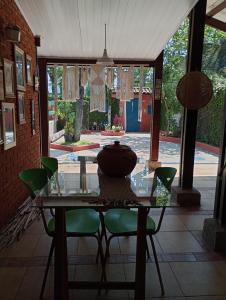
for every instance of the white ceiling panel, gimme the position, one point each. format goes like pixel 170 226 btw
pixel 136 29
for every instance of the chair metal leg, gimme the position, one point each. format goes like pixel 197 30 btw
pixel 107 252
pixel 157 264
pixel 103 228
pixel 47 269
pixel 102 258
pixel 98 250
pixel 147 249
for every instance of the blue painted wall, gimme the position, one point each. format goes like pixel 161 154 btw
pixel 132 124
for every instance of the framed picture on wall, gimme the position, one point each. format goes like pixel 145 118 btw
pixel 8 67
pixel 20 68
pixel 33 117
pixel 29 69
pixel 1 85
pixel 9 125
pixel 21 108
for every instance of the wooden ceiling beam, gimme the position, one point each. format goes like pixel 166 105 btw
pixel 83 61
pixel 216 23
pixel 217 9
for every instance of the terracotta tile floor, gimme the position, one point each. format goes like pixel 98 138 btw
pixel 189 269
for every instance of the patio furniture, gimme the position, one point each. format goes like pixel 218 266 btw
pixel 97 196
pixel 79 222
pixel 50 164
pixel 123 222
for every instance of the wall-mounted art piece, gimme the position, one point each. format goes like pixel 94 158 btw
pixel 29 70
pixel 33 117
pixel 20 68
pixel 21 108
pixel 9 125
pixel 1 85
pixel 8 67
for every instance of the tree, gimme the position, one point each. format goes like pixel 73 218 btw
pixel 174 67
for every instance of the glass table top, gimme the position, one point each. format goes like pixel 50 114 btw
pixel 90 188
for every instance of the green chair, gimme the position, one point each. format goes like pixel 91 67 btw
pixel 50 164
pixel 79 222
pixel 123 222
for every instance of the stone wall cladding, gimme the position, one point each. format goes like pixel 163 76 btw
pixel 26 154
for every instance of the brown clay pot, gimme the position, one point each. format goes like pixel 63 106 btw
pixel 116 160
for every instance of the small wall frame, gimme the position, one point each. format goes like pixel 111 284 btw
pixel 20 68
pixel 8 67
pixel 9 125
pixel 29 75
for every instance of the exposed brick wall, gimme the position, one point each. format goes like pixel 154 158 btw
pixel 26 154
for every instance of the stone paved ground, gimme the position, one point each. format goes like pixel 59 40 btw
pixel 169 154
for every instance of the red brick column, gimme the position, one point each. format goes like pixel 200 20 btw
pixel 155 120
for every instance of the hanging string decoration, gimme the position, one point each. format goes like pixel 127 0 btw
pixel 126 88
pixel 70 83
pixel 84 76
pixel 97 88
pixel 109 79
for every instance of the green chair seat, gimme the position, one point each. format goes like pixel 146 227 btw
pixel 124 221
pixel 78 222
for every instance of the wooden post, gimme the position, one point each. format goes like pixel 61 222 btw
pixel 185 194
pixel 60 259
pixel 155 120
pixel 44 107
pixel 140 271
pixel 55 97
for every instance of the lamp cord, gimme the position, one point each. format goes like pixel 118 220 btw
pixel 105 35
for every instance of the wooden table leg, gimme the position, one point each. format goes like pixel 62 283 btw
pixel 60 263
pixel 141 254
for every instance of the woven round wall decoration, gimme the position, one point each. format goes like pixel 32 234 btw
pixel 194 90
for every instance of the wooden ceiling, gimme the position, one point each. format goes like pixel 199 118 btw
pixel 136 30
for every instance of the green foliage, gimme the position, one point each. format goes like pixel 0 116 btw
pixel 67 112
pixel 213 64
pixel 78 143
pixel 97 119
pixel 210 118
pixel 174 67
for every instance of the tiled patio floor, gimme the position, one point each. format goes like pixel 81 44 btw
pixel 189 269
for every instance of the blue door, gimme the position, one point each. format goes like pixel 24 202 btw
pixel 132 124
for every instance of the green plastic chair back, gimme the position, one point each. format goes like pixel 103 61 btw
pixel 50 164
pixel 34 180
pixel 165 175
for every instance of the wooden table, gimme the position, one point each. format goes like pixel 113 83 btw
pixel 80 190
